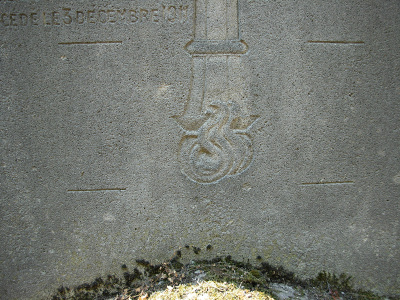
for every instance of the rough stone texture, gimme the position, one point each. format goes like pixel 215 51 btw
pixel 111 148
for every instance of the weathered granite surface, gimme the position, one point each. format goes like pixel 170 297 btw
pixel 131 128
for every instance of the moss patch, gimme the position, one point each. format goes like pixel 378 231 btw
pixel 218 278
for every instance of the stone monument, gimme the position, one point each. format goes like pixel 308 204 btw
pixel 264 128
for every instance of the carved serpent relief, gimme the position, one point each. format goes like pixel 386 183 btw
pixel 216 142
pixel 217 149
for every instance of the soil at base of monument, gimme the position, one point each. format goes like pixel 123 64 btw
pixel 218 278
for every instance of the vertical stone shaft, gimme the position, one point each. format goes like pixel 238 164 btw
pixel 216 20
pixel 216 53
pixel 216 144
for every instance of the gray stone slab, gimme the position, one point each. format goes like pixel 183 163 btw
pixel 132 128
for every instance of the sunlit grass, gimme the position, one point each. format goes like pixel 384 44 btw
pixel 208 290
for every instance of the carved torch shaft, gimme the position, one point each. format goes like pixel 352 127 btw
pixel 216 116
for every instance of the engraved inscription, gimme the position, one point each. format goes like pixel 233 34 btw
pixel 68 16
pixel 216 120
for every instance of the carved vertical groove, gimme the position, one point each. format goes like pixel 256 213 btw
pixel 216 120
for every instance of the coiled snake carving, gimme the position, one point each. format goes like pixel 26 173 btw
pixel 216 149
